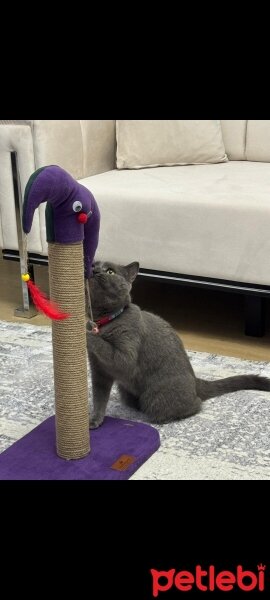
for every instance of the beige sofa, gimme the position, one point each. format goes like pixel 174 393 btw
pixel 205 224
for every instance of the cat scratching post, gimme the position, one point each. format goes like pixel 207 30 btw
pixel 119 447
pixel 66 276
pixel 72 223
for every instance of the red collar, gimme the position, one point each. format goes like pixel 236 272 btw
pixel 108 318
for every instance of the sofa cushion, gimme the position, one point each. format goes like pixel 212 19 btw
pixel 258 141
pixel 234 138
pixel 59 142
pixel 82 148
pixel 166 143
pixel 204 220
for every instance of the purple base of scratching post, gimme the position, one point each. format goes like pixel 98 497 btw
pixel 118 449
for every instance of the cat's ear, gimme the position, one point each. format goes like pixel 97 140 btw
pixel 132 271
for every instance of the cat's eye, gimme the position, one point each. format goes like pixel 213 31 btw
pixel 110 272
pixel 77 206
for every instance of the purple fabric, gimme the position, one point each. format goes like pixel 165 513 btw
pixel 34 456
pixel 54 185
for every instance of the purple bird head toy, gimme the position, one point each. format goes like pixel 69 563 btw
pixel 72 214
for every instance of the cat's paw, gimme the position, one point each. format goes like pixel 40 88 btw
pixel 95 422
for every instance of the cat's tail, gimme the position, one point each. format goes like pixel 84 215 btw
pixel 210 389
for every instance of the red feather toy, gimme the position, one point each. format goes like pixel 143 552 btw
pixel 42 303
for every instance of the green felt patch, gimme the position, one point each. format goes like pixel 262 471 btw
pixel 49 209
pixel 49 223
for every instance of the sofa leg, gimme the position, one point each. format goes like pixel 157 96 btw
pixel 27 310
pixel 254 316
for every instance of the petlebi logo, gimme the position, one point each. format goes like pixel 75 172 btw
pixel 209 579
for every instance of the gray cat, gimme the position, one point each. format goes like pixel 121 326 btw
pixel 143 354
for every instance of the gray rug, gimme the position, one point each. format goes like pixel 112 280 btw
pixel 229 439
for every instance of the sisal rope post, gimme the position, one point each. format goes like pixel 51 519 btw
pixel 66 278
